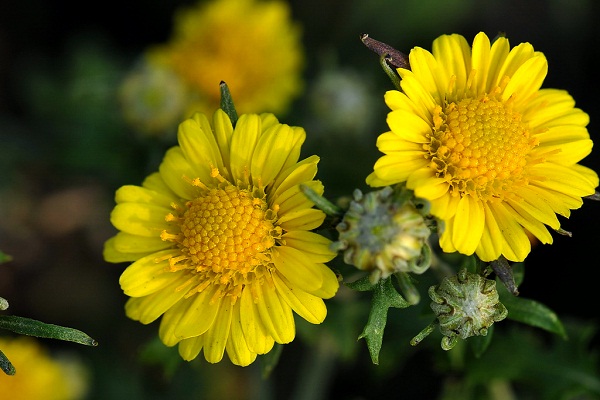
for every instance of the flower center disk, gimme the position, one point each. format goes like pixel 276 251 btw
pixel 480 146
pixel 226 239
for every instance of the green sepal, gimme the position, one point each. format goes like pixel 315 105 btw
pixel 32 327
pixel 321 202
pixel 530 312
pixel 6 365
pixel 227 103
pixel 270 360
pixel 480 343
pixel 384 297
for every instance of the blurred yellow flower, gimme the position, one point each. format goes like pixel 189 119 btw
pixel 252 45
pixel 38 376
pixel 221 239
pixel 495 155
pixel 153 98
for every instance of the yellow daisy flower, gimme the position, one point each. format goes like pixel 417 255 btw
pixel 221 240
pixel 252 45
pixel 495 155
pixel 38 376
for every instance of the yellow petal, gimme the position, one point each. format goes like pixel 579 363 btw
pixel 199 147
pixel 271 153
pixel 304 171
pixel 309 307
pixel 301 220
pixel 170 320
pixel 156 183
pixel 468 224
pixel 454 57
pixel 190 348
pixel 313 245
pixel 526 80
pixel 517 245
pixel 530 223
pixel 417 99
pixel 297 268
pixel 174 169
pixel 139 219
pixel 498 54
pixel 563 179
pixel 491 243
pixel 427 71
pixel 237 349
pixel 480 62
pixel 124 242
pixel 330 284
pixel 409 126
pixel 146 275
pixel 294 199
pixel 215 339
pixel 138 194
pixel 257 337
pixel 111 254
pixel 223 132
pixel 200 315
pixel 275 314
pixel 396 168
pixel 243 143
pixel 148 308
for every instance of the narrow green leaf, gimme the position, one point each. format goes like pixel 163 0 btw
pixel 480 344
pixel 270 360
pixel 32 327
pixel 384 297
pixel 6 365
pixel 227 103
pixel 531 312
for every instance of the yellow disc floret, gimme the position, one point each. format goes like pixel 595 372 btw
pixel 226 239
pixel 480 146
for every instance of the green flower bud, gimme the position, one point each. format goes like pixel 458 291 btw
pixel 383 233
pixel 466 305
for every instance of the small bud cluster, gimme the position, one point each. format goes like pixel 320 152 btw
pixel 466 305
pixel 384 233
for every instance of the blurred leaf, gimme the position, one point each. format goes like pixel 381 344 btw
pixel 270 360
pixel 4 258
pixel 154 352
pixel 384 297
pixel 32 327
pixel 6 365
pixel 480 344
pixel 531 312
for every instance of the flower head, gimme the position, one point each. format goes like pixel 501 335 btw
pixel 495 155
pixel 153 99
pixel 252 45
pixel 38 376
pixel 220 239
pixel 466 305
pixel 383 234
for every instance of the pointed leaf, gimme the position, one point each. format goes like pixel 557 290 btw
pixel 480 344
pixel 32 327
pixel 531 312
pixel 384 297
pixel 6 365
pixel 270 360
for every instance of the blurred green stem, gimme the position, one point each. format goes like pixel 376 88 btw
pixel 316 371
